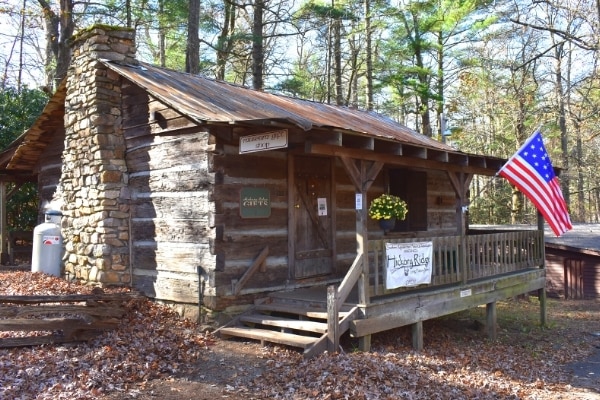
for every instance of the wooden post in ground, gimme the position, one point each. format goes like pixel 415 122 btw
pixel 543 313
pixel 417 335
pixel 542 291
pixel 491 322
pixel 332 320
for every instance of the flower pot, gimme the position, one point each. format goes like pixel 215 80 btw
pixel 387 224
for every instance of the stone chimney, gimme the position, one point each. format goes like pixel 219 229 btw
pixel 93 184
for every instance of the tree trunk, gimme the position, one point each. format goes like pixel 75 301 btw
pixel 52 23
pixel 257 45
pixel 369 55
pixel 21 40
pixel 337 58
pixel 224 42
pixel 580 181
pixel 64 49
pixel 423 81
pixel 128 13
pixel 192 53
pixel 562 124
pixel 440 85
pixel 162 41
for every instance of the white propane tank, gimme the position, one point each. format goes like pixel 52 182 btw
pixel 47 245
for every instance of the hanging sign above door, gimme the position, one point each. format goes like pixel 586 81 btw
pixel 264 141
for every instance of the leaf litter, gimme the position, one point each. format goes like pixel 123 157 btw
pixel 154 353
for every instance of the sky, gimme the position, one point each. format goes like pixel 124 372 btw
pixel 13 53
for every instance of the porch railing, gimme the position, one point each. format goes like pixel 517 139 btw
pixel 486 255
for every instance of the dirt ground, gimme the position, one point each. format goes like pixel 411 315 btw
pixel 227 366
pixel 231 364
pixel 155 354
pixel 238 370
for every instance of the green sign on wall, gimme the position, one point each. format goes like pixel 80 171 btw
pixel 255 203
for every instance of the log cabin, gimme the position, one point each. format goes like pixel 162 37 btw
pixel 243 203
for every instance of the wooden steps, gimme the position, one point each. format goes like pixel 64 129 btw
pixel 290 323
pixel 288 339
pixel 285 323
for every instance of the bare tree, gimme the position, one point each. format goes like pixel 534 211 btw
pixel 59 29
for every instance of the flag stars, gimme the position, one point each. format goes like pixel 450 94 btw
pixel 530 169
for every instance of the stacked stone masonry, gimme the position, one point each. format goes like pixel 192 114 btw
pixel 93 184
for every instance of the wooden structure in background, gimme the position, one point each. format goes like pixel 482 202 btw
pixel 573 263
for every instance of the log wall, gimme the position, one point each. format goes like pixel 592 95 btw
pixel 185 190
pixel 171 189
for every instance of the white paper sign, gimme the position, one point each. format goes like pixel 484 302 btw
pixel 359 198
pixel 322 206
pixel 408 264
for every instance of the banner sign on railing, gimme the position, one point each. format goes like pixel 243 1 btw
pixel 408 264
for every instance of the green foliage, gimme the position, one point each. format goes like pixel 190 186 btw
pixel 18 111
pixel 305 82
pixel 315 9
pixel 22 207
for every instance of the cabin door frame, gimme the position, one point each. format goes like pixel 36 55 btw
pixel 311 216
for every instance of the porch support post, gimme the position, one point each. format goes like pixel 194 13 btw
pixel 542 291
pixel 491 322
pixel 460 182
pixel 362 177
pixel 417 335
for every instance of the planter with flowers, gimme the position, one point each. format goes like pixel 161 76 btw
pixel 386 209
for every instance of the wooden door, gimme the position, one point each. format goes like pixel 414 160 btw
pixel 312 213
pixel 573 270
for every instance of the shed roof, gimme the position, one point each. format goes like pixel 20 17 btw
pixel 207 100
pixel 582 238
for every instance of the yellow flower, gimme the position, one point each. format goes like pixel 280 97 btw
pixel 388 206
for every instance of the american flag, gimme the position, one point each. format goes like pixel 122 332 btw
pixel 531 171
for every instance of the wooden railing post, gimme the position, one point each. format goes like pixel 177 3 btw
pixel 333 326
pixel 462 256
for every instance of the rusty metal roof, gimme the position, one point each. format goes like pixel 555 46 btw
pixel 207 100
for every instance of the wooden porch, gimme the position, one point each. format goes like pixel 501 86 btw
pixel 468 271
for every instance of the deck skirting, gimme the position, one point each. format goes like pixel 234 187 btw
pixel 391 312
